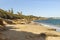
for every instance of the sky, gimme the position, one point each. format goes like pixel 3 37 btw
pixel 44 8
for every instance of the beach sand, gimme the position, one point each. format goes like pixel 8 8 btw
pixel 30 32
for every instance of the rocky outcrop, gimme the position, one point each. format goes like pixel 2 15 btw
pixel 2 24
pixel 2 28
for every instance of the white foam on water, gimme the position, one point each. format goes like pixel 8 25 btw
pixel 51 26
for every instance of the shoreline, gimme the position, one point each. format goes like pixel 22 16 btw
pixel 49 26
pixel 24 32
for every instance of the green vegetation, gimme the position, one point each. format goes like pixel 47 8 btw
pixel 9 14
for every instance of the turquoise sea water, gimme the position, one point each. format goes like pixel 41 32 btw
pixel 53 23
pixel 49 21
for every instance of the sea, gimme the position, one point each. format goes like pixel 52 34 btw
pixel 52 23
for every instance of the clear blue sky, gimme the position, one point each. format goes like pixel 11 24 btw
pixel 46 8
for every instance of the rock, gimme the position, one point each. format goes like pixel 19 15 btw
pixel 1 22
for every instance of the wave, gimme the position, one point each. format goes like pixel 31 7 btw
pixel 51 26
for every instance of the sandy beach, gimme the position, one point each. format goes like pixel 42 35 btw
pixel 30 32
pixel 29 19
